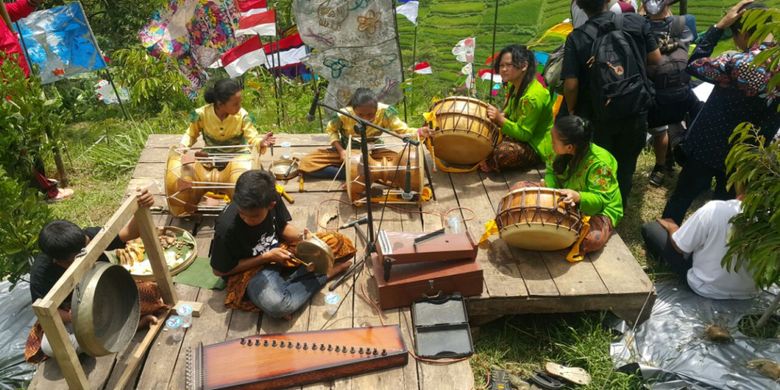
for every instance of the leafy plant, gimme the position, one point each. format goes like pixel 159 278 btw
pixel 120 154
pixel 23 215
pixel 766 22
pixel 154 84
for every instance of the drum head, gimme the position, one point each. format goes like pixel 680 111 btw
pixel 461 147
pixel 538 237
pixel 313 250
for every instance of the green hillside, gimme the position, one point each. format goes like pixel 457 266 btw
pixel 442 23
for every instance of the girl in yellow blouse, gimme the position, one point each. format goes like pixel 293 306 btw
pixel 223 122
pixel 325 163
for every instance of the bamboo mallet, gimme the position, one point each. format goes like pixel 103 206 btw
pixel 6 17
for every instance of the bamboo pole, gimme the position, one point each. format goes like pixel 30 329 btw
pixel 6 17
pixel 400 60
pixel 493 53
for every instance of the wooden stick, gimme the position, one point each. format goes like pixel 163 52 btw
pixel 132 362
pixel 143 217
pixel 6 17
pixel 58 338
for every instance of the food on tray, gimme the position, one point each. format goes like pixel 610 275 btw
pixel 178 246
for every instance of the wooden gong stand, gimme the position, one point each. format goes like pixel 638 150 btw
pixel 46 308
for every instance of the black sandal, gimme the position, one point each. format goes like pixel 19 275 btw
pixel 545 381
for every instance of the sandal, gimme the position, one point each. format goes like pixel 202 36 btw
pixel 545 381
pixel 575 375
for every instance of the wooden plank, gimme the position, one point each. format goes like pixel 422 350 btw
pixel 128 368
pixel 619 303
pixel 149 170
pixel 573 279
pixel 619 269
pixel 143 218
pixel 121 359
pixel 501 274
pixel 154 155
pixel 165 140
pixel 48 375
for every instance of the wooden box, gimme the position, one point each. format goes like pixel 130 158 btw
pixel 412 282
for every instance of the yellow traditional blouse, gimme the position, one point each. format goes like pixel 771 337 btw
pixel 237 129
pixel 341 127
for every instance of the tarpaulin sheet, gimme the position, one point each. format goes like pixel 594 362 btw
pixel 16 319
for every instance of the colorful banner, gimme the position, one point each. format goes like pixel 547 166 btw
pixel 59 41
pixel 195 33
pixel 354 46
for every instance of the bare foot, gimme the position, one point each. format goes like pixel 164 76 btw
pixel 484 167
pixel 147 320
pixel 338 269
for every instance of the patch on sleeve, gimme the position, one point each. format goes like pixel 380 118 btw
pixel 601 178
pixel 391 112
pixel 251 118
pixel 194 116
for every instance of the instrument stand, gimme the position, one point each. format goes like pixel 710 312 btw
pixel 360 127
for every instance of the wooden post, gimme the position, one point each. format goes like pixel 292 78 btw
pixel 46 307
pixel 6 17
pixel 683 7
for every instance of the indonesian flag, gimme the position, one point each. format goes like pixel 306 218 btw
pixel 487 74
pixel 423 68
pixel 263 24
pixel 251 7
pixel 243 57
pixel 285 52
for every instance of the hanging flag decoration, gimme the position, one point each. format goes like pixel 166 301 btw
pixel 106 94
pixel 195 33
pixel 243 57
pixel 287 52
pixel 355 46
pixel 252 7
pixel 464 50
pixel 262 24
pixel 60 41
pixel 409 9
pixel 423 68
pixel 487 74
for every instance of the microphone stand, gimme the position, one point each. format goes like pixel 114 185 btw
pixel 361 129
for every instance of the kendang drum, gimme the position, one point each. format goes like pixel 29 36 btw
pixel 462 132
pixel 388 169
pixel 189 177
pixel 534 218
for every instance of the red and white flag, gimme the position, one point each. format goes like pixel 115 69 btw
pixel 487 74
pixel 287 51
pixel 423 68
pixel 263 24
pixel 243 57
pixel 251 7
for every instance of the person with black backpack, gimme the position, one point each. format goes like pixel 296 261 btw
pixel 674 97
pixel 605 81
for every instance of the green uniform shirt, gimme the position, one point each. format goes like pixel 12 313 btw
pixel 596 181
pixel 531 119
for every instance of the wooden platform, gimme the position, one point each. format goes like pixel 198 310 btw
pixel 516 281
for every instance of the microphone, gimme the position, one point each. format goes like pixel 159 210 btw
pixel 314 103
pixel 407 192
pixel 350 224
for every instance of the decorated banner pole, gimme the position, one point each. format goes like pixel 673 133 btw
pixel 493 53
pixel 6 17
pixel 118 98
pixel 414 61
pixel 277 96
pixel 400 59
pixel 278 73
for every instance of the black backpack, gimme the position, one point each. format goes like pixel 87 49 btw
pixel 671 74
pixel 618 85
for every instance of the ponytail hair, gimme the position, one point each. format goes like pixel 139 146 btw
pixel 520 55
pixel 221 91
pixel 572 130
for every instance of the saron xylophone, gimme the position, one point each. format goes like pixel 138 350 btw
pixel 291 359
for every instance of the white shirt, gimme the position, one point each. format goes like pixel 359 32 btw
pixel 705 235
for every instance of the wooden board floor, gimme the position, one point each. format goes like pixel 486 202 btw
pixel 516 281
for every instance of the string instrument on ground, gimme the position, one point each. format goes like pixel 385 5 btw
pixel 191 175
pixel 292 359
pixel 534 218
pixel 462 132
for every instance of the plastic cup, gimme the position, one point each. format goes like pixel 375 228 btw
pixel 185 313
pixel 173 326
pixel 332 303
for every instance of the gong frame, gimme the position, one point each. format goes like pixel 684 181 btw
pixel 46 308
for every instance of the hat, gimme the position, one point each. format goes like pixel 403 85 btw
pixel 654 7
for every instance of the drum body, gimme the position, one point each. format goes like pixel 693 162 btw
pixel 188 178
pixel 462 132
pixel 383 167
pixel 105 309
pixel 532 218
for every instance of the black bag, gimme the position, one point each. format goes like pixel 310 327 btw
pixel 618 84
pixel 671 73
pixel 552 70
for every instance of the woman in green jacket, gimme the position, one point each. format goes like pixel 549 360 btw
pixel 527 113
pixel 586 174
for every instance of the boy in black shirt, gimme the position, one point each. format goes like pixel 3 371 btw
pixel 248 235
pixel 61 242
pixel 623 137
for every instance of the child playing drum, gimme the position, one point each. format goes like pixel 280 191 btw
pixel 586 174
pixel 223 123
pixel 325 163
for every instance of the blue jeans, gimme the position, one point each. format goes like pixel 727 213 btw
pixel 329 172
pixel 278 296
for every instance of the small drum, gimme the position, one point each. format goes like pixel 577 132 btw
pixel 462 132
pixel 188 178
pixel 285 168
pixel 383 171
pixel 533 218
